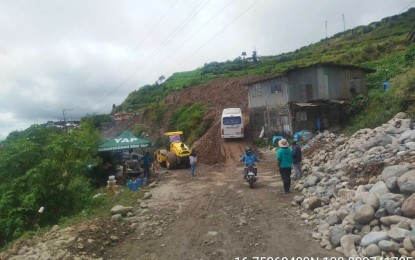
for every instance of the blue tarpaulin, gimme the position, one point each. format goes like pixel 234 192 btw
pixel 303 135
pixel 276 138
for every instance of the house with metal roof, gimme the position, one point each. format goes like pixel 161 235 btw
pixel 304 98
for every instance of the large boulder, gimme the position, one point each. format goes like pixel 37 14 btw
pixel 380 140
pixel 391 220
pixel 348 243
pixel 336 233
pixel 406 135
pixel 392 184
pixel 311 181
pixel 389 246
pixel 408 207
pixel 371 199
pixel 406 183
pixel 118 209
pixel 390 202
pixel 394 171
pixel 346 193
pixel 314 202
pixel 408 245
pixel 364 214
pixel 333 219
pixel 373 238
pixel 372 250
pixel 398 234
pixel 379 189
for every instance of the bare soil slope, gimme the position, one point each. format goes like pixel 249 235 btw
pixel 217 95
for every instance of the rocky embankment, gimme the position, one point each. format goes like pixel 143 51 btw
pixel 91 240
pixel 360 190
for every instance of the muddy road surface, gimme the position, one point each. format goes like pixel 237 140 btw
pixel 215 215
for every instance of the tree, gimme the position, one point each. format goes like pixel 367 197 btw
pixel 243 54
pixel 254 57
pixel 45 168
pixel 161 78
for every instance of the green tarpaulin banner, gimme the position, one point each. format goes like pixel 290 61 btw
pixel 125 140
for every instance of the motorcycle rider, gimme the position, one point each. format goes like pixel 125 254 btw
pixel 249 159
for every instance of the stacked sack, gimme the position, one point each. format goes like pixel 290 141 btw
pixel 112 187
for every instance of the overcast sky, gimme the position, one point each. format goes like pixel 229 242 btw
pixel 85 55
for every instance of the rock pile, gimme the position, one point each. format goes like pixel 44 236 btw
pixel 91 240
pixel 361 190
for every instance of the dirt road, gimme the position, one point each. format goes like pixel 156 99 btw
pixel 217 216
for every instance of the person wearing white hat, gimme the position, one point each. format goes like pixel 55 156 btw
pixel 284 163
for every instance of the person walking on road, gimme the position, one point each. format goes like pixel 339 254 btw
pixel 297 158
pixel 284 163
pixel 193 162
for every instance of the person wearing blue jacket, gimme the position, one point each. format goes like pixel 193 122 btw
pixel 147 160
pixel 284 163
pixel 249 159
pixel 297 158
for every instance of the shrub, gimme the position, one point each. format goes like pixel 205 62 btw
pixel 50 170
pixel 410 56
pixel 187 118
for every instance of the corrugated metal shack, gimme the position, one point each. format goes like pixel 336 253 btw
pixel 307 98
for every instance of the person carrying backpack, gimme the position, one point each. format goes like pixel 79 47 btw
pixel 297 158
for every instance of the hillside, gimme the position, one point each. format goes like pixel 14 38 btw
pixel 382 46
pixel 215 96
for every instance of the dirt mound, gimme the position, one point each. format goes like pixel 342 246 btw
pixel 217 95
pixel 208 147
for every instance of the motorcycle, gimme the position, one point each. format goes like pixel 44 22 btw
pixel 251 177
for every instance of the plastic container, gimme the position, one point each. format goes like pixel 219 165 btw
pixel 144 181
pixel 133 185
pixel 140 181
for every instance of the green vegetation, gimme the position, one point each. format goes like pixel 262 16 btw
pixel 141 98
pixel 188 119
pixel 154 113
pixel 44 167
pixel 97 120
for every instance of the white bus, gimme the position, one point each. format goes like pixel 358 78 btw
pixel 232 124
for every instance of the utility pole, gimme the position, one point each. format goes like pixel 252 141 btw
pixel 326 29
pixel 63 113
pixel 344 24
